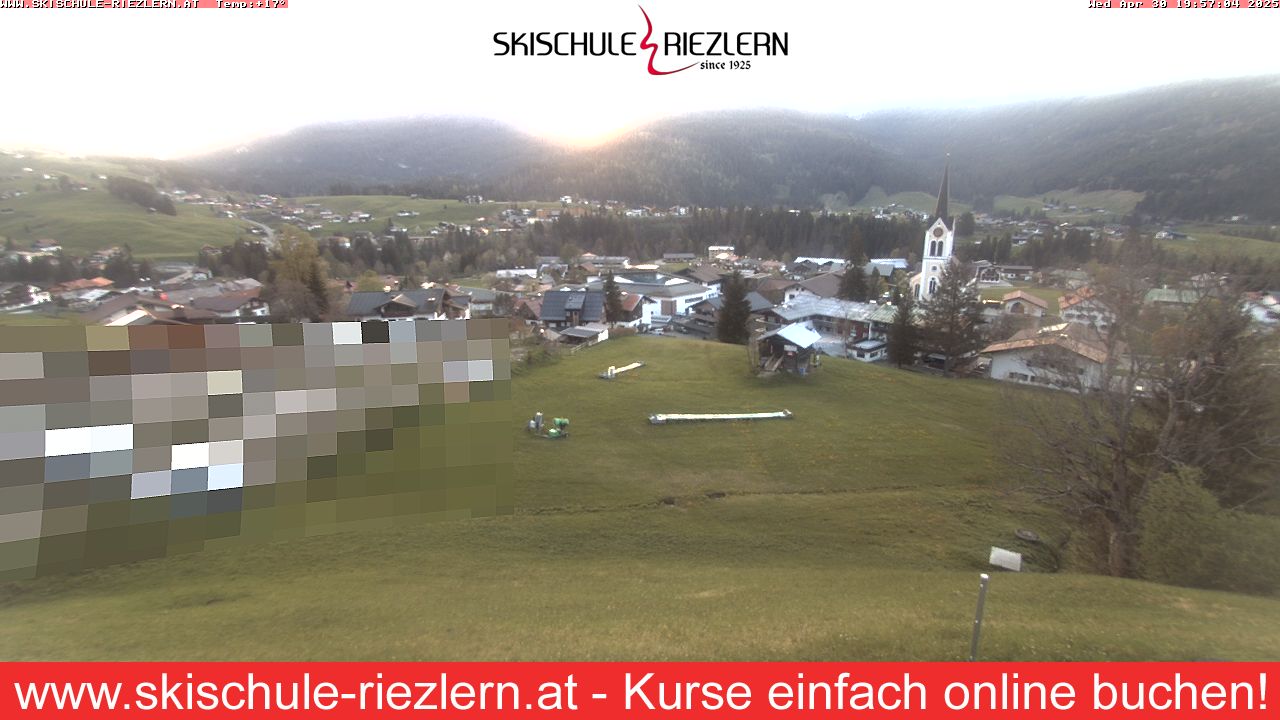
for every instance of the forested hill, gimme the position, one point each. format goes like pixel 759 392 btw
pixel 723 159
pixel 342 156
pixel 1198 150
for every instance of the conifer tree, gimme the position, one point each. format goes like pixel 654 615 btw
pixel 903 334
pixel 612 300
pixel 953 317
pixel 735 312
pixel 853 284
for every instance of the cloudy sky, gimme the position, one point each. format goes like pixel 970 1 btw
pixel 167 83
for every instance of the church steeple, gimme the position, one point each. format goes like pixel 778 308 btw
pixel 939 239
pixel 941 211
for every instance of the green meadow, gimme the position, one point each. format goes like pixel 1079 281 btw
pixel 1210 241
pixel 919 201
pixel 1114 202
pixel 87 220
pixel 856 530
pixel 431 212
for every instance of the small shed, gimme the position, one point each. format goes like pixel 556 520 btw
pixel 789 348
pixel 870 350
pixel 588 334
pixel 1020 302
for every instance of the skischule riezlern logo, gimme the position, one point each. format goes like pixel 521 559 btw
pixel 665 53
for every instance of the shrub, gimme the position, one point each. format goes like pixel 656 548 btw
pixel 1254 539
pixel 535 354
pixel 1181 540
pixel 1188 539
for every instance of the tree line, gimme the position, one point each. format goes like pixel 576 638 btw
pixel 1077 247
pixel 1168 466
pixel 141 193
pixel 62 267
pixel 455 252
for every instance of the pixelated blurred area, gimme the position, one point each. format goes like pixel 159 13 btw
pixel 125 443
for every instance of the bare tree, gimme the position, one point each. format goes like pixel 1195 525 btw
pixel 1177 388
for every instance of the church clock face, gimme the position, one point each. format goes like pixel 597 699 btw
pixel 937 232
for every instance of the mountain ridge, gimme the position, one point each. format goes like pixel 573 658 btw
pixel 1197 150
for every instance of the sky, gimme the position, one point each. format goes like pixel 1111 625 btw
pixel 171 83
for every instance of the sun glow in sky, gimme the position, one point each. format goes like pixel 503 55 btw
pixel 169 83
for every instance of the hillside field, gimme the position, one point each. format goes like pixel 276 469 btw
pixel 915 200
pixel 85 221
pixel 853 531
pixel 94 220
pixel 1209 241
pixel 431 212
pixel 1115 202
pixel 88 220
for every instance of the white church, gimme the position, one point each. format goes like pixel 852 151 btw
pixel 939 240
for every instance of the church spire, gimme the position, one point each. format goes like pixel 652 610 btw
pixel 943 192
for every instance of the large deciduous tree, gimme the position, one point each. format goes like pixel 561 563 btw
pixel 1189 388
pixel 298 279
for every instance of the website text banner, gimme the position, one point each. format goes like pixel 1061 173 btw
pixel 641 690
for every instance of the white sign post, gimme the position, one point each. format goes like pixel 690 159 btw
pixel 1007 559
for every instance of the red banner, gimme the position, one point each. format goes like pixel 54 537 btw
pixel 962 691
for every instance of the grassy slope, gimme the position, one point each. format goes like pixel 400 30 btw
pixel 94 220
pixel 430 211
pixel 920 201
pixel 1118 202
pixel 853 531
pixel 1115 202
pixel 1206 242
pixel 84 221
